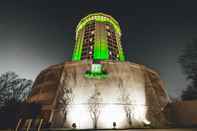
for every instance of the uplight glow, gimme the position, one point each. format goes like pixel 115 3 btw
pixel 79 114
pixel 111 109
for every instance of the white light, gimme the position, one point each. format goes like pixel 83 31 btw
pixel 108 33
pixel 107 27
pixel 147 122
pixel 80 115
pixel 112 109
pixel 112 113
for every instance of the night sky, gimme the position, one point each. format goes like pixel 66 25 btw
pixel 35 34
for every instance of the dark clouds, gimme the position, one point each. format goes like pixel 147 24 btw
pixel 37 33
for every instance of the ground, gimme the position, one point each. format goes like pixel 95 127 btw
pixel 176 129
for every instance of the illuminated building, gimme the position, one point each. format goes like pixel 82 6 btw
pixel 98 38
pixel 98 88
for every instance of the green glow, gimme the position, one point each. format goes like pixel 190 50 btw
pixel 96 68
pixel 101 50
pixel 100 46
pixel 90 75
pixel 78 46
pixel 96 50
pixel 121 57
pixel 96 72
pixel 104 50
pixel 121 54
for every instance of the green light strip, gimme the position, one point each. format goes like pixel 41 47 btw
pixel 100 17
pixel 81 44
pixel 96 54
pixel 104 50
pixel 78 46
pixel 90 75
pixel 104 44
pixel 120 50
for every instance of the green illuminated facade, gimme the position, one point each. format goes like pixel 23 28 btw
pixel 98 38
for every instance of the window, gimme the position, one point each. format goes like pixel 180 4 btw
pixel 87 49
pixel 112 43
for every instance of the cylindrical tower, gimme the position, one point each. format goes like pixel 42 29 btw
pixel 98 37
pixel 105 94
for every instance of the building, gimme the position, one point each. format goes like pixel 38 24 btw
pixel 98 38
pixel 98 88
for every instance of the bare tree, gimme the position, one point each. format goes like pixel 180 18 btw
pixel 65 97
pixel 94 103
pixel 128 110
pixel 127 103
pixel 68 98
pixel 13 88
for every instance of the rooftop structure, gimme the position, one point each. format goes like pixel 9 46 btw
pixel 98 37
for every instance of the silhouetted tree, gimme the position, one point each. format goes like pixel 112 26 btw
pixel 9 113
pixel 29 110
pixel 14 110
pixel 13 88
pixel 13 92
pixel 190 93
pixel 188 61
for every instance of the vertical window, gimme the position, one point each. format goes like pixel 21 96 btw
pixel 88 41
pixel 112 43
